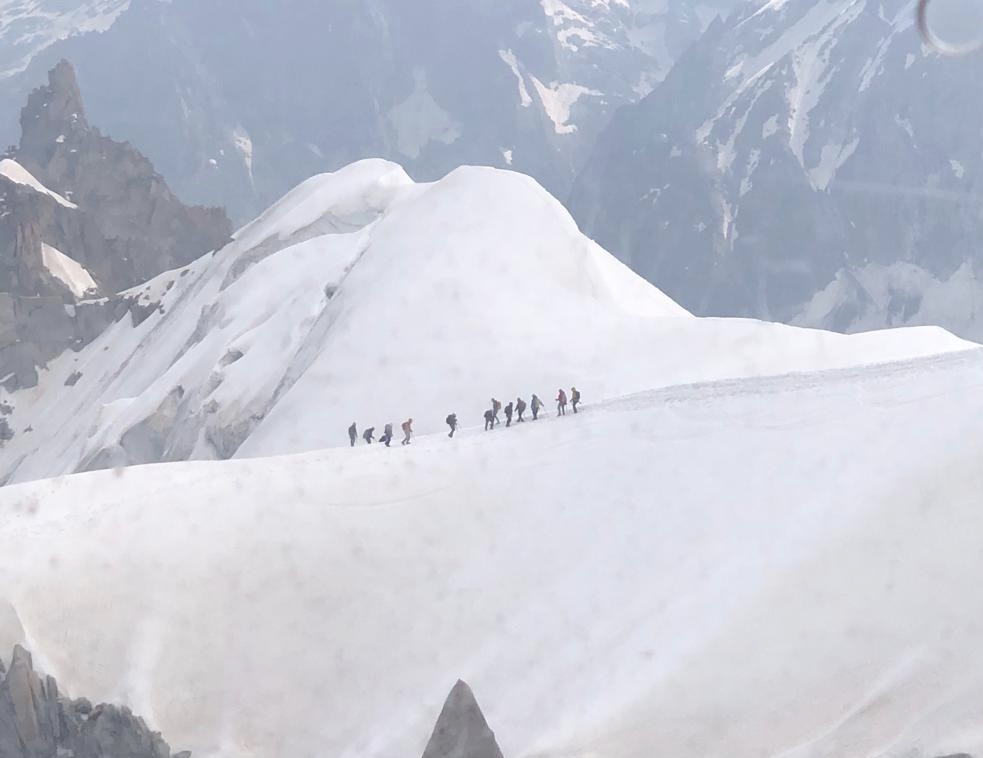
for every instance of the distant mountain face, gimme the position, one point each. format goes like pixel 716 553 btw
pixel 236 101
pixel 804 161
pixel 29 26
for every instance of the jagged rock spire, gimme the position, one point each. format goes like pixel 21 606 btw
pixel 36 721
pixel 461 730
pixel 52 111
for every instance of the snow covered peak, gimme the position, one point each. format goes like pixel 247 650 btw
pixel 346 199
pixel 364 296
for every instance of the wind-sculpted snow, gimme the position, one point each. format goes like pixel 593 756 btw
pixel 363 296
pixel 781 566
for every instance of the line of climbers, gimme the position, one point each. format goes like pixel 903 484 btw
pixel 491 417
pixel 387 433
pixel 535 405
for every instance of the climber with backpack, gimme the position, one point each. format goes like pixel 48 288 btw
pixel 535 405
pixel 451 421
pixel 352 433
pixel 561 403
pixel 520 408
pixel 407 428
pixel 367 435
pixel 574 398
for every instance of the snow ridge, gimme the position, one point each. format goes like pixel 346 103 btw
pixel 363 295
pixel 15 172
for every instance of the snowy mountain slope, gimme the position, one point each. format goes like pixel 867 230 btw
pixel 800 143
pixel 363 296
pixel 783 566
pixel 29 26
pixel 295 88
pixel 12 170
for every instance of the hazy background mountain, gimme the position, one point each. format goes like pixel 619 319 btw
pixel 235 101
pixel 804 161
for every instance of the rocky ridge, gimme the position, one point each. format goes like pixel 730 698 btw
pixel 82 218
pixel 38 721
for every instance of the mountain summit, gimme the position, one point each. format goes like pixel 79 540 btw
pixel 362 295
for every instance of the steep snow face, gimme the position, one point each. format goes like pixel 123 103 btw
pixel 364 297
pixel 15 172
pixel 796 143
pixel 68 271
pixel 733 569
pixel 29 26
pixel 225 125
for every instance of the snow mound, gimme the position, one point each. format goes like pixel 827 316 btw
pixel 363 296
pixel 785 566
pixel 20 175
pixel 67 270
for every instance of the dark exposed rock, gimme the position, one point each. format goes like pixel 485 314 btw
pixel 461 730
pixel 33 330
pixel 36 721
pixel 131 227
pixel 113 215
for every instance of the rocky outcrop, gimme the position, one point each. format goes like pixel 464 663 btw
pixel 82 218
pixel 129 226
pixel 33 330
pixel 461 730
pixel 36 721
